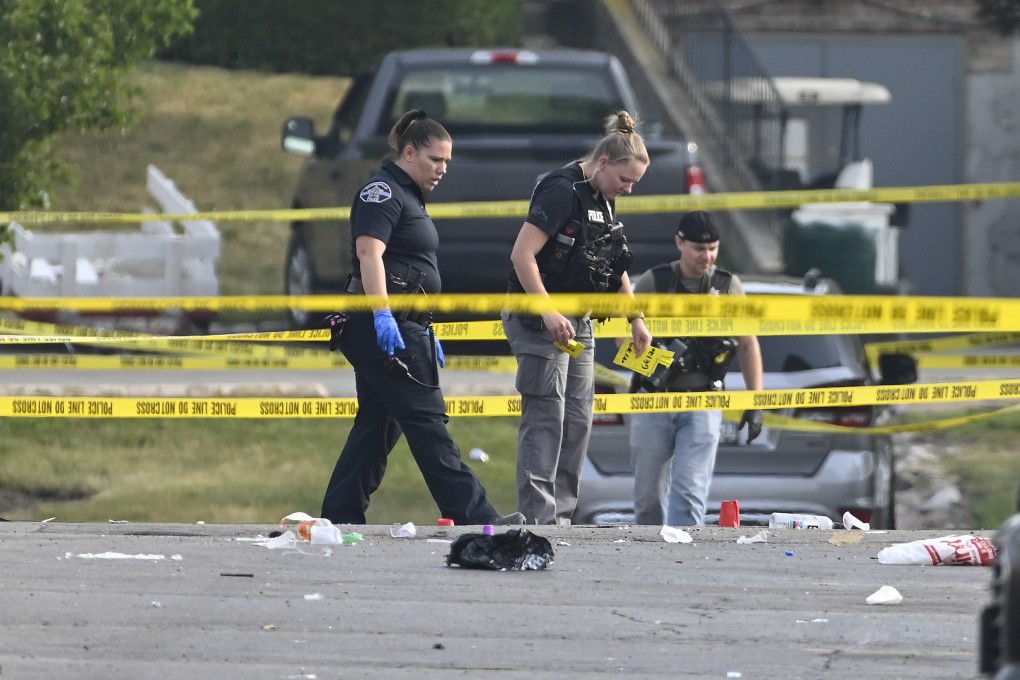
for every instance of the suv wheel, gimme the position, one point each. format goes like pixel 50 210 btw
pixel 299 278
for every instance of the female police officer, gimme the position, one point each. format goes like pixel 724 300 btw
pixel 395 356
pixel 570 243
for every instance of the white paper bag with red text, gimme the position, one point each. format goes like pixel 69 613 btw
pixel 947 550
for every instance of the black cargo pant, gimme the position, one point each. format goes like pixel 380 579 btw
pixel 389 403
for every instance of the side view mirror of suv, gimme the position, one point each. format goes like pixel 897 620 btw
pixel 299 136
pixel 897 369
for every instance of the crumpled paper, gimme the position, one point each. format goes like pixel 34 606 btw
pixel 675 535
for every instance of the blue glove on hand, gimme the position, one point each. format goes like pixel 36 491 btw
pixel 386 332
pixel 440 355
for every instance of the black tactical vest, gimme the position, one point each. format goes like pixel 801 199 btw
pixel 589 254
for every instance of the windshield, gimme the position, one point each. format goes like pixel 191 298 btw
pixel 508 98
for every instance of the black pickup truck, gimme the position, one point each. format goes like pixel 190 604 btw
pixel 513 114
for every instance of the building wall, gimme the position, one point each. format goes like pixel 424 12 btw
pixel 954 119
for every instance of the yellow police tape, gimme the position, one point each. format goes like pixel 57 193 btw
pixel 781 422
pixel 273 407
pixel 955 342
pixel 669 203
pixel 697 314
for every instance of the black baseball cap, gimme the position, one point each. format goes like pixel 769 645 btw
pixel 696 226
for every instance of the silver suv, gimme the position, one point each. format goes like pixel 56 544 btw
pixel 782 470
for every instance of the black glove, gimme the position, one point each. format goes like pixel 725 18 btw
pixel 751 418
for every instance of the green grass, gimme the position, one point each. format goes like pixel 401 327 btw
pixel 981 457
pixel 250 471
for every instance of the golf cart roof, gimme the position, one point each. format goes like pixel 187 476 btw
pixel 798 91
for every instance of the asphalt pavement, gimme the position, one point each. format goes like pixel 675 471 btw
pixel 199 601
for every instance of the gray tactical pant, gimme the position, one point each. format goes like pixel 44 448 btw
pixel 557 394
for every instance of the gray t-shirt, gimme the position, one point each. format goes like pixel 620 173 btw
pixel 645 283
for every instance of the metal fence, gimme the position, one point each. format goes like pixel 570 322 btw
pixel 731 92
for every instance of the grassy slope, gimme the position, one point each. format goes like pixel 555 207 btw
pixel 216 133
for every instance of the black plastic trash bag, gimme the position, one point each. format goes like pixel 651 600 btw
pixel 514 550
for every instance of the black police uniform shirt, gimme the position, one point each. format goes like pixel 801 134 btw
pixel 391 208
pixel 553 202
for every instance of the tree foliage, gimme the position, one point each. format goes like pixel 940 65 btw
pixel 337 38
pixel 62 67
pixel 1001 15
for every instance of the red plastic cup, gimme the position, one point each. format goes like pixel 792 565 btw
pixel 729 514
pixel 444 522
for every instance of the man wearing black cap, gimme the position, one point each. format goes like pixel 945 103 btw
pixel 673 454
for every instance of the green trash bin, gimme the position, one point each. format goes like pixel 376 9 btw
pixel 845 243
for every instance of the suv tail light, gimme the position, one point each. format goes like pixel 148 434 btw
pixel 846 416
pixel 695 180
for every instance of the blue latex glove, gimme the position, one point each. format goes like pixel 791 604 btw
pixel 387 334
pixel 440 355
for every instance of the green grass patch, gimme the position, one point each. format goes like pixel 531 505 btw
pixel 980 457
pixel 217 471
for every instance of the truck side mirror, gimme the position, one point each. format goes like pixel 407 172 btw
pixel 897 369
pixel 299 136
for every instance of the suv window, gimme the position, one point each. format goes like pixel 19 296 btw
pixel 517 99
pixel 787 353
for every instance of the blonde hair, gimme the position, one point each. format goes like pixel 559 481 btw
pixel 621 142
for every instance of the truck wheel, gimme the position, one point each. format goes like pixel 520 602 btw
pixel 299 279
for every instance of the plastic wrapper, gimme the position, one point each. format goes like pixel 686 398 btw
pixel 947 550
pixel 885 595
pixel 514 550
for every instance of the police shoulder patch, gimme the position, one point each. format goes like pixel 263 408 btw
pixel 376 192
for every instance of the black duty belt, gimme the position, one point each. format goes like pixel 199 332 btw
pixel 355 287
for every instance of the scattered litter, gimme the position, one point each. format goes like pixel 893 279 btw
pixel 514 550
pixel 734 674
pixel 675 535
pixel 851 522
pixel 788 553
pixel 157 605
pixel 947 550
pixel 318 530
pixel 48 519
pixel 885 595
pixel 313 596
pixel 479 455
pixel 200 522
pixel 117 521
pixel 285 540
pixel 438 540
pixel 562 542
pixel 760 537
pixel 269 627
pixel 115 556
pixel 238 575
pixel 406 530
pixel 812 621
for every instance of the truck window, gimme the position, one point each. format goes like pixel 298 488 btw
pixel 507 99
pixel 349 112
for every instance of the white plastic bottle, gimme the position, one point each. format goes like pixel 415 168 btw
pixel 785 520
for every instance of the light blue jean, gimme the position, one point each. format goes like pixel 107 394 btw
pixel 674 453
